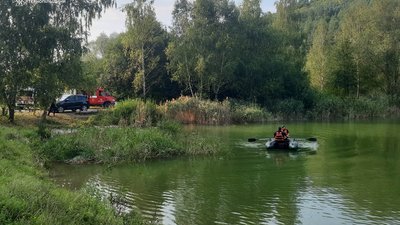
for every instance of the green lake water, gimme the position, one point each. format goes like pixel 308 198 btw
pixel 352 178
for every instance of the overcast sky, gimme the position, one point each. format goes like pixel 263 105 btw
pixel 113 20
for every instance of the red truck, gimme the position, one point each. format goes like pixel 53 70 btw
pixel 102 98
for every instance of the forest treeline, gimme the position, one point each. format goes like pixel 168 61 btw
pixel 310 57
pixel 306 56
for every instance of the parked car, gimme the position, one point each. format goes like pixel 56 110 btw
pixel 73 102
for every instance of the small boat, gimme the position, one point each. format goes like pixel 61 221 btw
pixel 288 144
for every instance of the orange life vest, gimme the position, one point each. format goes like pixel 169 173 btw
pixel 278 136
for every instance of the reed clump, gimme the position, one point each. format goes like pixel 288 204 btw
pixel 192 110
pixel 328 107
pixel 131 112
pixel 125 144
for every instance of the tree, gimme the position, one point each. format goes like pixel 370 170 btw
pixel 317 57
pixel 359 26
pixel 94 60
pixel 203 54
pixel 118 75
pixel 42 45
pixel 343 78
pixel 254 51
pixel 387 49
pixel 180 49
pixel 14 56
pixel 223 55
pixel 143 37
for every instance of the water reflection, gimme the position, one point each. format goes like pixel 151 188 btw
pixel 353 179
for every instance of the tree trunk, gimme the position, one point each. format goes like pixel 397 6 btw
pixel 189 77
pixel 43 117
pixel 3 111
pixel 11 113
pixel 144 73
pixel 358 80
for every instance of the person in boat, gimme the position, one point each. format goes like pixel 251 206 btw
pixel 279 135
pixel 286 131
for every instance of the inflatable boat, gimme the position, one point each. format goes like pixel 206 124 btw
pixel 285 144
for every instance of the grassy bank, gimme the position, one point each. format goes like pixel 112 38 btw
pixel 27 197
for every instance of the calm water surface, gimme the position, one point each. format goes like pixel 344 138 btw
pixel 353 178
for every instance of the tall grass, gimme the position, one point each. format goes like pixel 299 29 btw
pixel 114 145
pixel 191 110
pixel 27 197
pixel 131 112
pixel 186 110
pixel 248 113
pixel 329 107
pixel 290 109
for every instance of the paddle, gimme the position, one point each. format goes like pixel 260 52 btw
pixel 255 139
pixel 313 139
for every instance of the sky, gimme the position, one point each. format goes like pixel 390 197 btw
pixel 113 20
